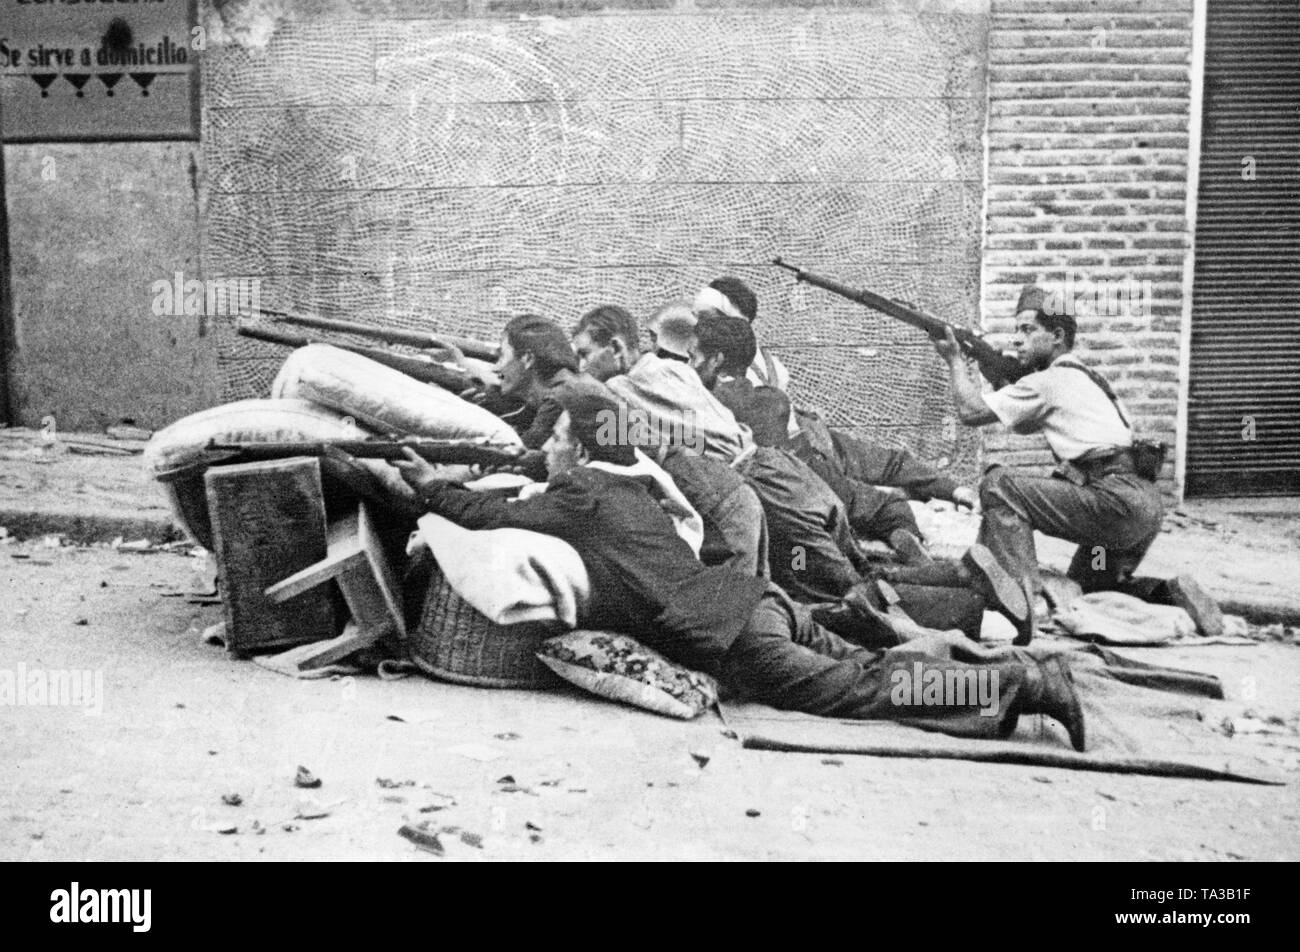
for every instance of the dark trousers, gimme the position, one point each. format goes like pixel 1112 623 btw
pixel 872 513
pixel 785 659
pixel 1113 518
pixel 876 465
pixel 811 550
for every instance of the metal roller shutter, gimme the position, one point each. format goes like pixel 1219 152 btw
pixel 1245 347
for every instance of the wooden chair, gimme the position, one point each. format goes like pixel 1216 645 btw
pixel 356 561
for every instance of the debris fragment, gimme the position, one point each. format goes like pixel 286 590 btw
pixel 752 812
pixel 309 808
pixel 82 621
pixel 387 784
pixel 530 825
pixel 516 788
pixel 471 839
pixel 439 801
pixel 306 779
pixel 232 799
pixel 140 546
pixel 423 837
pixel 508 778
pixel 506 735
pixel 701 758
pixel 832 762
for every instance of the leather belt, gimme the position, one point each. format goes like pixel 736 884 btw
pixel 1121 461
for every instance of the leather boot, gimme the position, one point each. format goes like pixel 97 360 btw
pixel 1049 689
pixel 857 619
pixel 909 548
pixel 904 627
pixel 942 573
pixel 1198 603
pixel 1009 596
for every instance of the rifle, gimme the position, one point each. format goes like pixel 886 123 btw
pixel 420 368
pixel 468 346
pixel 490 456
pixel 996 367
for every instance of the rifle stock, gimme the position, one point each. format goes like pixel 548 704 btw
pixel 481 350
pixel 997 368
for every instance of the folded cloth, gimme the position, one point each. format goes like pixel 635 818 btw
pixel 510 575
pixel 1114 618
pixel 286 663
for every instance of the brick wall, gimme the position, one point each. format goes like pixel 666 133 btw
pixel 1087 179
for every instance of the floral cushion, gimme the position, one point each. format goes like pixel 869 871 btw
pixel 622 669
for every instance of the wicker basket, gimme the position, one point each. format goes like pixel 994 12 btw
pixel 455 642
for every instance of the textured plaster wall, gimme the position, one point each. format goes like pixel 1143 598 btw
pixel 447 165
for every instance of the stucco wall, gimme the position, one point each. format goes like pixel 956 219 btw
pixel 91 227
pixel 479 160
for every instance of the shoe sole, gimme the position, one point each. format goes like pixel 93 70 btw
pixel 1187 594
pixel 909 548
pixel 1007 592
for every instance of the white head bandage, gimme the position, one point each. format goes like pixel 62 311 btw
pixel 715 299
pixel 674 328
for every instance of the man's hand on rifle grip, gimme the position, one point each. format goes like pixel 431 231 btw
pixel 948 348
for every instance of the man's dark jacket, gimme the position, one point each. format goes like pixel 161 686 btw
pixel 645 580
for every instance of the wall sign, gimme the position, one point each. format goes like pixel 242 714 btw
pixel 98 69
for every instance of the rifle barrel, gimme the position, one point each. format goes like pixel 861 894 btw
pixel 481 350
pixel 997 367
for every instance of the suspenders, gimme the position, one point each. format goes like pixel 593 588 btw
pixel 1101 382
pixel 768 376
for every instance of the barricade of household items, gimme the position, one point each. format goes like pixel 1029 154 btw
pixel 312 534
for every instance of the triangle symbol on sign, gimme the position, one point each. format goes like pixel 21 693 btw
pixel 43 80
pixel 143 80
pixel 77 80
pixel 110 80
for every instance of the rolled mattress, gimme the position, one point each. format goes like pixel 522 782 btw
pixel 178 455
pixel 384 399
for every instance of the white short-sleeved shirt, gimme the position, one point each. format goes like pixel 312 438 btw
pixel 1063 404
